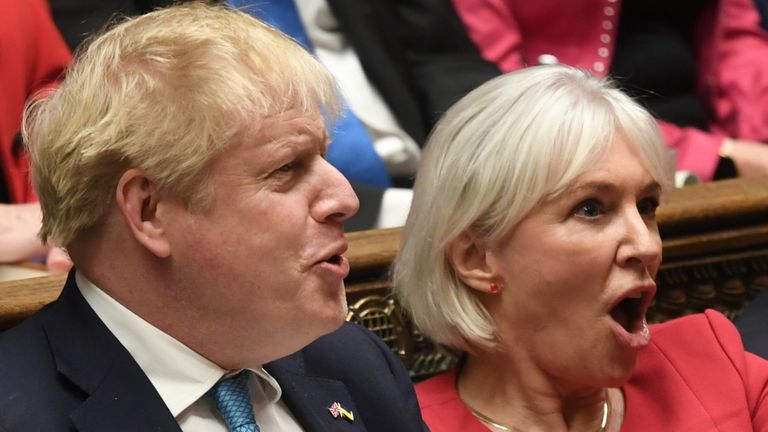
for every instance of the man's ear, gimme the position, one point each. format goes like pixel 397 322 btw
pixel 137 198
pixel 469 257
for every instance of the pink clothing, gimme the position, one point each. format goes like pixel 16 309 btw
pixel 732 60
pixel 694 376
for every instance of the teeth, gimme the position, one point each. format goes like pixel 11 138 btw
pixel 645 331
pixel 635 296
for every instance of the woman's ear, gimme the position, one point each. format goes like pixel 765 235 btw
pixel 138 199
pixel 468 256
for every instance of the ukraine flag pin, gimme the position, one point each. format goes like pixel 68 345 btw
pixel 338 411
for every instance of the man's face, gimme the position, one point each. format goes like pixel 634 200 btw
pixel 262 266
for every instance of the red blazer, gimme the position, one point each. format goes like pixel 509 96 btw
pixel 732 53
pixel 33 55
pixel 694 376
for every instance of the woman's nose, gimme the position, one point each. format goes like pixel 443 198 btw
pixel 641 243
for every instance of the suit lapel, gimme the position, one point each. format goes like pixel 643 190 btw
pixel 309 398
pixel 117 395
pixel 124 401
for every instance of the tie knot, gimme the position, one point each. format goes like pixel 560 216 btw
pixel 234 402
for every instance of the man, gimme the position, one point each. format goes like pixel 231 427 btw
pixel 181 163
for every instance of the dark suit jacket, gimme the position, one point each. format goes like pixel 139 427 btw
pixel 62 370
pixel 753 325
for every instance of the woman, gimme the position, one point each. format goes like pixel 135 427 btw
pixel 532 247
pixel 701 66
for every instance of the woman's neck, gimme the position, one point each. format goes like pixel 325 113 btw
pixel 514 392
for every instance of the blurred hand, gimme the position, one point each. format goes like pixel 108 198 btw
pixel 19 225
pixel 749 157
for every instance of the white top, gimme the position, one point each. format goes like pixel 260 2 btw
pixel 180 375
pixel 398 150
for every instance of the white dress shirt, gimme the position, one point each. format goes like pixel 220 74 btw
pixel 180 375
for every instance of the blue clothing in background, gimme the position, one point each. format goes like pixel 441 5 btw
pixel 351 150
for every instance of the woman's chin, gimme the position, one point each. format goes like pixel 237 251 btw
pixel 620 369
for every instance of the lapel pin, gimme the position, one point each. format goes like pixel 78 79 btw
pixel 338 411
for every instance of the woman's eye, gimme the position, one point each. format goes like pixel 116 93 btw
pixel 648 206
pixel 590 208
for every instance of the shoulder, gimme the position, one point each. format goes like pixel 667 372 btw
pixel 709 321
pixel 351 347
pixel 706 335
pixel 29 378
pixel 23 347
pixel 698 365
pixel 700 341
pixel 377 381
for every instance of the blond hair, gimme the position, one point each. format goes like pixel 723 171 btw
pixel 166 92
pixel 507 146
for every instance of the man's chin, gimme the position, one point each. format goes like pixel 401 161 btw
pixel 332 322
pixel 330 326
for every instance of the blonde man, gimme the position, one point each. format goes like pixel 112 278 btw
pixel 181 164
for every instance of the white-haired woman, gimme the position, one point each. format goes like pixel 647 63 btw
pixel 532 247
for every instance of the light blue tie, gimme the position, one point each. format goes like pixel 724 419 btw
pixel 234 403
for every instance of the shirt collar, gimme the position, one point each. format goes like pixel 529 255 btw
pixel 180 375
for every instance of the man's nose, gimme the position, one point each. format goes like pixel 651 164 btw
pixel 337 201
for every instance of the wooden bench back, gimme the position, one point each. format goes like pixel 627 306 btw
pixel 715 245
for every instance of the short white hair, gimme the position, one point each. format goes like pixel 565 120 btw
pixel 514 142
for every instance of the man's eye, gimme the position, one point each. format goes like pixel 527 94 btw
pixel 648 206
pixel 287 168
pixel 590 208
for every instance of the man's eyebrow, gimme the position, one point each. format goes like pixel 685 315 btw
pixel 293 143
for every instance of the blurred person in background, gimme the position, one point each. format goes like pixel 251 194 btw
pixel 700 67
pixel 33 56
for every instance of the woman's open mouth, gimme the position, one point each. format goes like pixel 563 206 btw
pixel 628 316
pixel 628 313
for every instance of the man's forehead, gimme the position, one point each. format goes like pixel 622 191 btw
pixel 286 125
pixel 284 132
pixel 283 125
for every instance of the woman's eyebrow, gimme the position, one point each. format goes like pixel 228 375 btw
pixel 610 186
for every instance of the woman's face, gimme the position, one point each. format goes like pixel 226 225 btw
pixel 578 274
